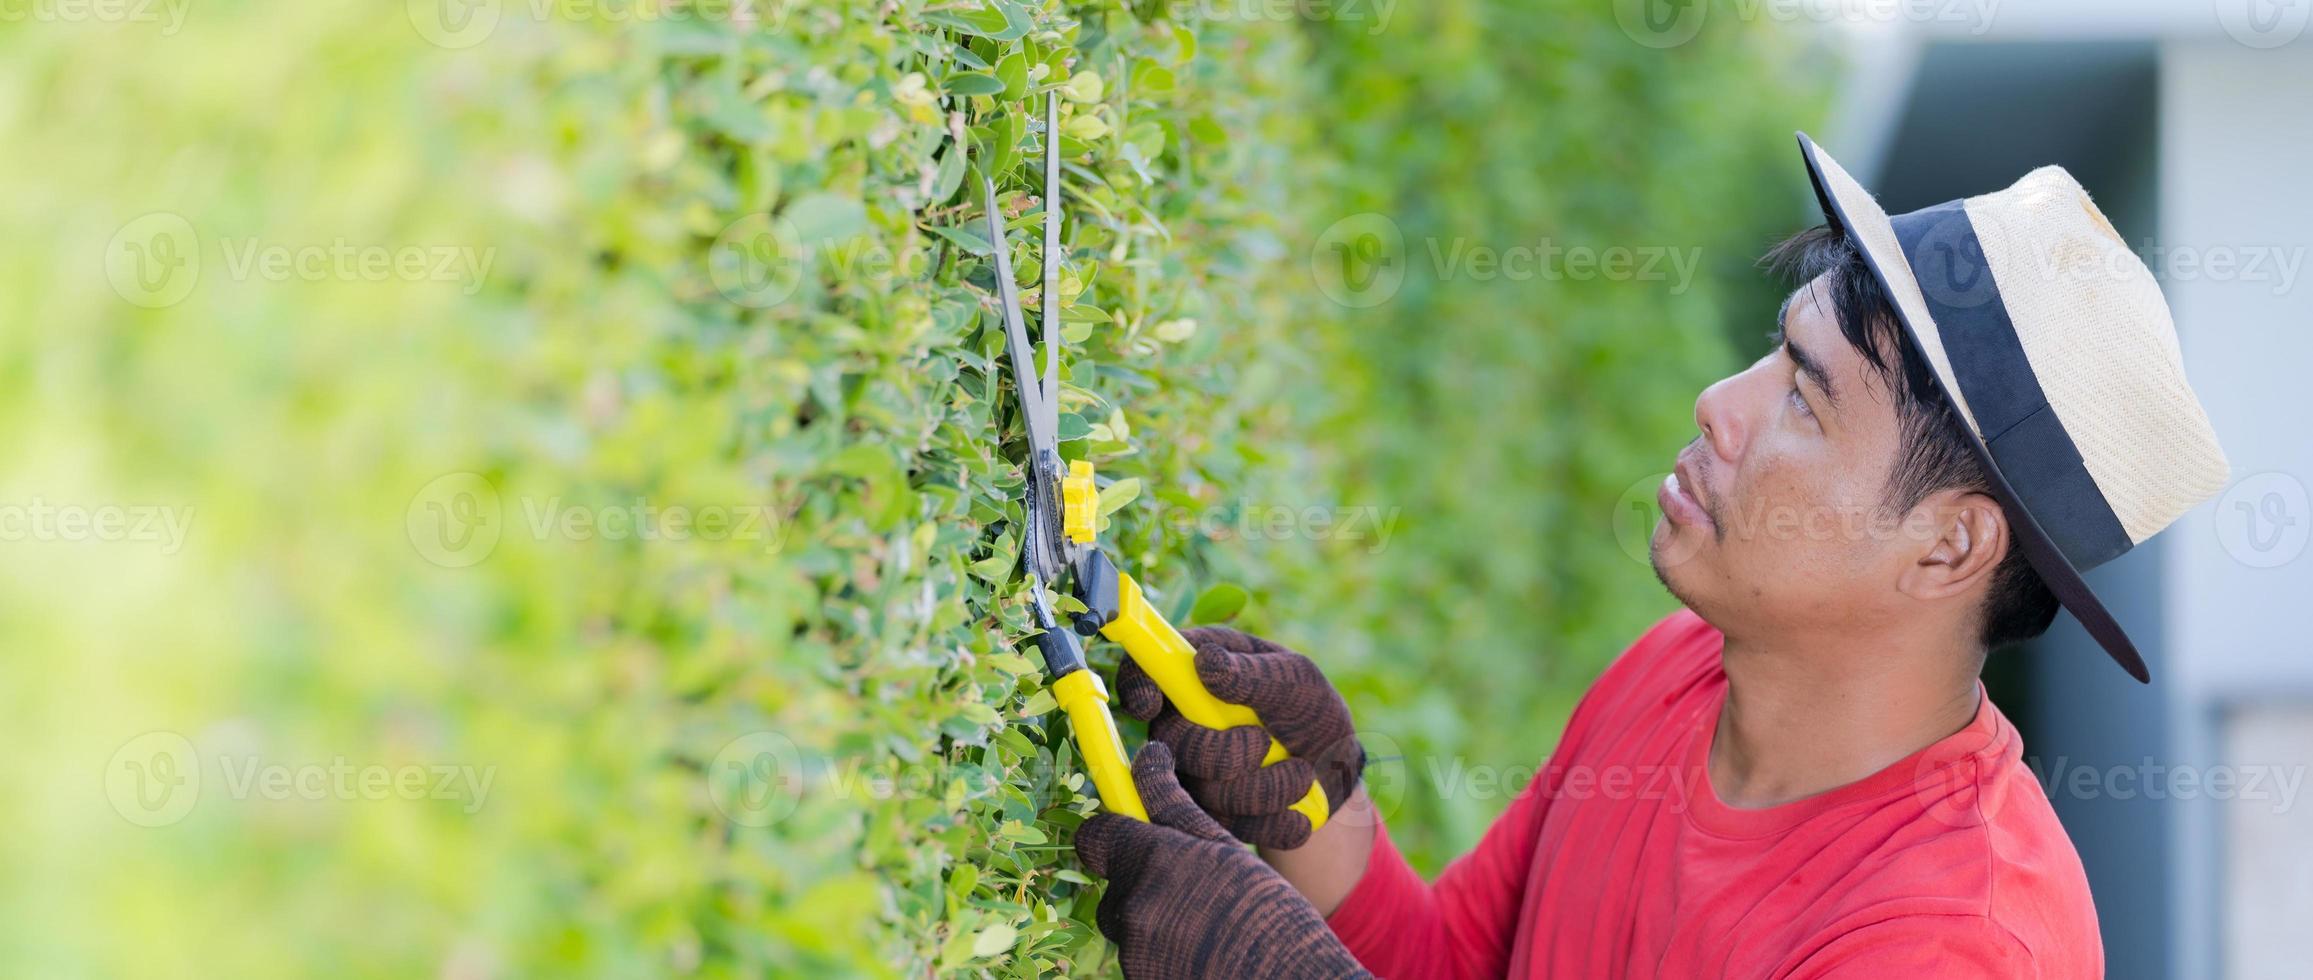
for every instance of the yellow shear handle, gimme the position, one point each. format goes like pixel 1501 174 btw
pixel 1081 694
pixel 1167 658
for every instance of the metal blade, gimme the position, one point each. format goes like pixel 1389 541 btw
pixel 1043 417
pixel 1049 303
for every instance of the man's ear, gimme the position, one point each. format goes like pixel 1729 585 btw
pixel 1963 535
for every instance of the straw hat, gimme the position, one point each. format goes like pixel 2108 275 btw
pixel 2053 340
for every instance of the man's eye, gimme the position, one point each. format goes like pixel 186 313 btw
pixel 1798 402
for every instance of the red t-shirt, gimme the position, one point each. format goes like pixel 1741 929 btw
pixel 1619 861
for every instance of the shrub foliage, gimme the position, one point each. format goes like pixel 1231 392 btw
pixel 681 502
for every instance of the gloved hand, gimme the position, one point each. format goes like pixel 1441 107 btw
pixel 1186 900
pixel 1222 768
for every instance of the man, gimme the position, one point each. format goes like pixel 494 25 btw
pixel 1798 775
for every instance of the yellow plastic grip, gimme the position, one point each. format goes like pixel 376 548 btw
pixel 1085 698
pixel 1079 503
pixel 1168 659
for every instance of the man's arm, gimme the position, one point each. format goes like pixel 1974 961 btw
pixel 1401 927
pixel 1330 865
pixel 1397 924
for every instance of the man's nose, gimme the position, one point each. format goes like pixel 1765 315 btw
pixel 1721 425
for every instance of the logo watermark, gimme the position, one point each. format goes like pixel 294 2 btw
pixel 1361 261
pixel 757 261
pixel 2264 519
pixel 2264 23
pixel 761 778
pixel 457 520
pixel 1245 520
pixel 156 261
pixel 1374 14
pixel 157 778
pixel 170 14
pixel 1670 23
pixel 40 520
pixel 1953 269
pixel 1638 511
pixel 457 24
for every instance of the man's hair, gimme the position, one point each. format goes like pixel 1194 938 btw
pixel 1933 452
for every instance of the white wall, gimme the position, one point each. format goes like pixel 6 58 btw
pixel 2236 176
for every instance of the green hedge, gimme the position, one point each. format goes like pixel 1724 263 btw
pixel 882 640
pixel 731 267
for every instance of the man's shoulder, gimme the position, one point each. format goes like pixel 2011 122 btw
pixel 1988 849
pixel 2039 890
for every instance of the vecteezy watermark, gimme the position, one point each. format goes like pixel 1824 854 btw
pixel 1936 779
pixel 1957 273
pixel 1670 23
pixel 2263 520
pixel 1361 261
pixel 1246 520
pixel 1374 14
pixel 170 14
pixel 1638 514
pixel 39 520
pixel 761 778
pixel 757 779
pixel 157 778
pixel 457 24
pixel 155 261
pixel 2149 779
pixel 2275 264
pixel 2264 23
pixel 457 520
pixel 758 261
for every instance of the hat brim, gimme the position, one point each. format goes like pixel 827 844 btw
pixel 1861 220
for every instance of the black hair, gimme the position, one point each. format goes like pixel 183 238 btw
pixel 1933 451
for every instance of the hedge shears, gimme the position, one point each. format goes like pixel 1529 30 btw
pixel 1059 543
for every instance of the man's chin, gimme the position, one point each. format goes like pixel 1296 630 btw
pixel 1671 554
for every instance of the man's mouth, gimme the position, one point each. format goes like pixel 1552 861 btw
pixel 1681 497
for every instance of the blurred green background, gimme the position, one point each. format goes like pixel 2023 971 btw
pixel 516 488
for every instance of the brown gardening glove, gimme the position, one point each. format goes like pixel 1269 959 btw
pixel 1186 900
pixel 1222 768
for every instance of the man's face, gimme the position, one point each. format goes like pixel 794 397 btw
pixel 1775 516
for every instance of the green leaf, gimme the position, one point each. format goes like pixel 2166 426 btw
pixel 967 237
pixel 1118 494
pixel 1219 603
pixel 994 569
pixel 995 19
pixel 1013 72
pixel 1010 663
pixel 1020 833
pixel 949 177
pixel 997 938
pixel 974 83
pixel 1150 78
pixel 1038 703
